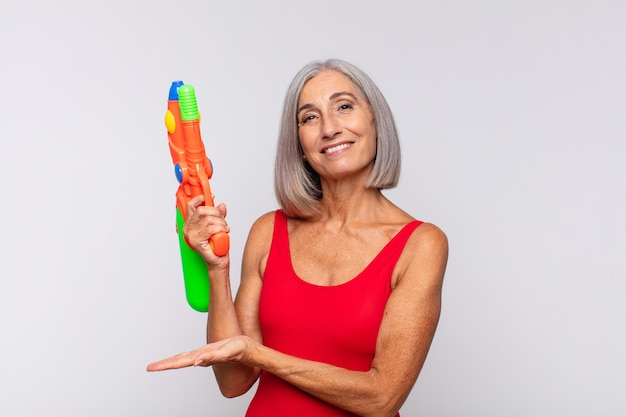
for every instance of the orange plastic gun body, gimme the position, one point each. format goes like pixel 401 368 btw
pixel 193 168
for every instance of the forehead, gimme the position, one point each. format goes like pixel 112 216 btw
pixel 326 83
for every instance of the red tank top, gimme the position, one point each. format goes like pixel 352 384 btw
pixel 337 325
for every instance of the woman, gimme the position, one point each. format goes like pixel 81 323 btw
pixel 340 292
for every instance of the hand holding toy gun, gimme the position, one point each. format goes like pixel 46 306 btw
pixel 193 170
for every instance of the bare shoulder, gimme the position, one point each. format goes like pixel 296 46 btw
pixel 429 237
pixel 425 255
pixel 263 226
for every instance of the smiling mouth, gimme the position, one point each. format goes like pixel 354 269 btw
pixel 336 148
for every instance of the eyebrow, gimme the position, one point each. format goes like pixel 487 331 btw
pixel 332 97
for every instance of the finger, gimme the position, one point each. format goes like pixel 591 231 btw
pixel 202 360
pixel 209 356
pixel 222 208
pixel 194 203
pixel 182 360
pixel 214 216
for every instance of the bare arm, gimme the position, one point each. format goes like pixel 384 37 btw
pixel 227 319
pixel 405 335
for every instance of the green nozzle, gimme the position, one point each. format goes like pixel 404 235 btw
pixel 187 102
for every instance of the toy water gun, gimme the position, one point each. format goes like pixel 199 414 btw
pixel 193 170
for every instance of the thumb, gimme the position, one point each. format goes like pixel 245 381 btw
pixel 222 208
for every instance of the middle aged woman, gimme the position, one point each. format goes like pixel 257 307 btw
pixel 340 292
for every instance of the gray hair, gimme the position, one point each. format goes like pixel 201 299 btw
pixel 296 184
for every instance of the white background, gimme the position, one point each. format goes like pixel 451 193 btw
pixel 512 122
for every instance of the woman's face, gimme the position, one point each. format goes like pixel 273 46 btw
pixel 336 127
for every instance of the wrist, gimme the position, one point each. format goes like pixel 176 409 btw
pixel 252 352
pixel 219 270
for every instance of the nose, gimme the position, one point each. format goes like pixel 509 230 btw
pixel 331 126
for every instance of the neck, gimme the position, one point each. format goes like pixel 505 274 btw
pixel 347 203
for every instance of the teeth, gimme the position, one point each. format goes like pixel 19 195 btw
pixel 337 148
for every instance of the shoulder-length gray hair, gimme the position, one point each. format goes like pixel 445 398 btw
pixel 296 184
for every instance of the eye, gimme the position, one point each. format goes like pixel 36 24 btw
pixel 345 107
pixel 307 118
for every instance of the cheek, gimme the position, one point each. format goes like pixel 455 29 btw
pixel 305 141
pixel 374 148
pixel 373 135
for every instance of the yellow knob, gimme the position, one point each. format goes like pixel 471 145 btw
pixel 170 122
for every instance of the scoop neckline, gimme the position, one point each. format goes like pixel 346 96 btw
pixel 357 276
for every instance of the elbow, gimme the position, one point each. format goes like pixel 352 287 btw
pixel 376 404
pixel 233 392
pixel 385 405
pixel 232 383
pixel 385 400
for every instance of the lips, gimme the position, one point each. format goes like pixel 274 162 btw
pixel 336 148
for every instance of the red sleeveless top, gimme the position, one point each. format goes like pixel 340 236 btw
pixel 337 325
